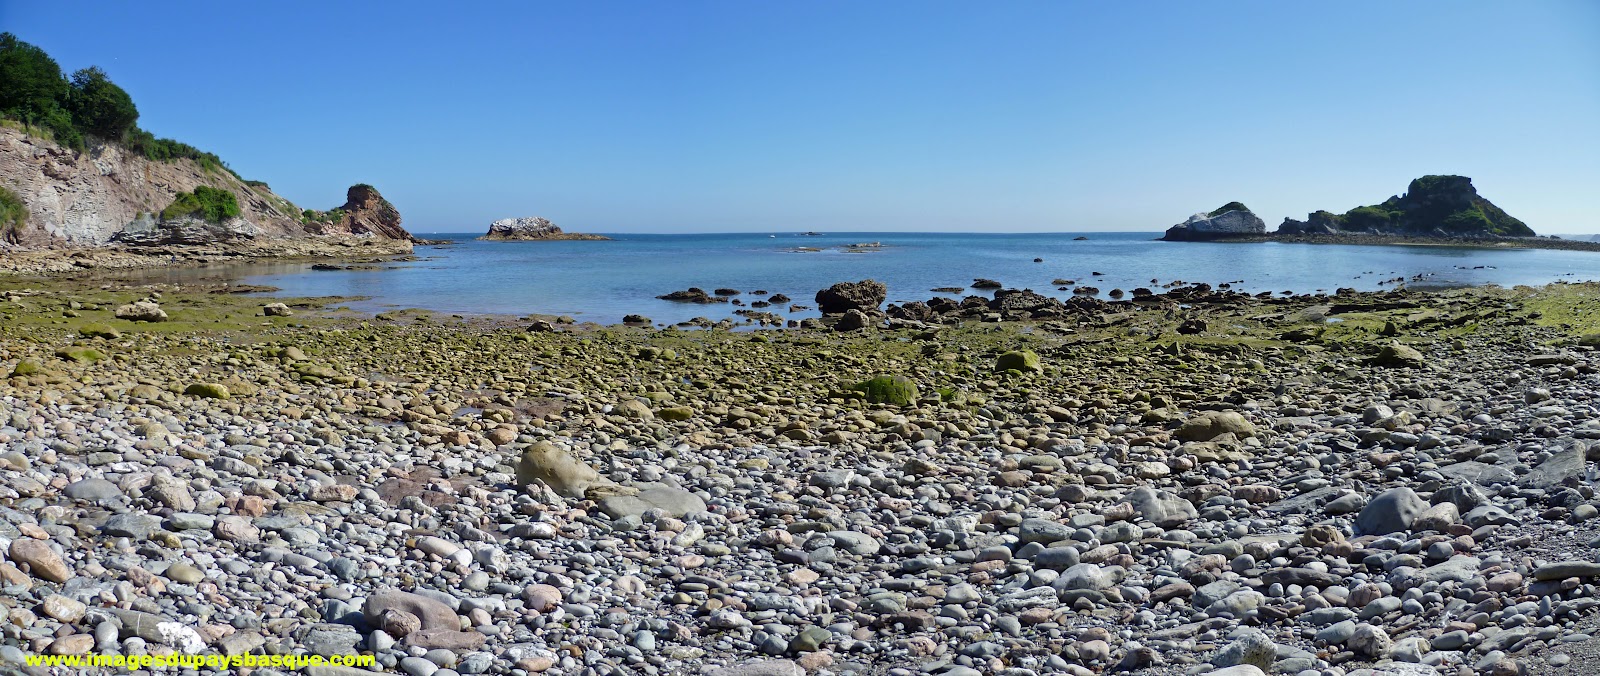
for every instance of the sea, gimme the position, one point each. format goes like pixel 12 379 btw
pixel 601 281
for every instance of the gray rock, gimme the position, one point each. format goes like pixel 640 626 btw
pixel 1056 558
pixel 1207 594
pixel 1043 531
pixel 675 501
pixel 1252 648
pixel 1488 515
pixel 1237 603
pixel 1562 570
pixel 1337 633
pixel 92 490
pixel 1391 511
pixel 417 666
pixel 1089 576
pixel 859 544
pixel 130 525
pixel 1478 473
pixel 761 668
pixel 330 639
pixel 1161 507
pixel 1564 466
pixel 1456 569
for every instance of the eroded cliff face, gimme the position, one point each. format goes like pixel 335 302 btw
pixel 88 199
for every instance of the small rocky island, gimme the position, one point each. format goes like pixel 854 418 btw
pixel 1231 220
pixel 1432 206
pixel 532 228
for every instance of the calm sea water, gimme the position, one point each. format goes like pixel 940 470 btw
pixel 602 281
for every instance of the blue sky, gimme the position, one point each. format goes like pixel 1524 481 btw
pixel 929 115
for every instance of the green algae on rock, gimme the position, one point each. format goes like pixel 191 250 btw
pixel 208 391
pixel 1018 360
pixel 82 355
pixel 897 390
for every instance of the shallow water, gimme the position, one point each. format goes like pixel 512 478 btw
pixel 602 281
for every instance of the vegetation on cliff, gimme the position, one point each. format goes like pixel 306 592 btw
pixel 1231 206
pixel 13 213
pixel 34 92
pixel 212 204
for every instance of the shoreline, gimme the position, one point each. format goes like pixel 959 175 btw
pixel 1403 240
pixel 113 257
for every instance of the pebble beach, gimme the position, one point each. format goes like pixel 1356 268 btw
pixel 1396 483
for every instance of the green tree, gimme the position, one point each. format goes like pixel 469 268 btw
pixel 30 81
pixel 99 106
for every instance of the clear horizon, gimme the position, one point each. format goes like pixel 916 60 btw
pixel 837 117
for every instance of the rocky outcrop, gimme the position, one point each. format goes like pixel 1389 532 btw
pixel 1433 206
pixel 1318 223
pixel 365 212
pixel 1232 220
pixel 110 195
pixel 533 228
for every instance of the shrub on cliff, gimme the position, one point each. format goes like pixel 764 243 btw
pixel 212 204
pixel 13 214
pixel 168 150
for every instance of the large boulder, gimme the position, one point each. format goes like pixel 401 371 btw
pixel 1391 511
pixel 675 501
pixel 142 311
pixel 1213 424
pixel 437 624
pixel 1161 508
pixel 865 295
pixel 563 473
pixel 1232 220
pixel 1399 356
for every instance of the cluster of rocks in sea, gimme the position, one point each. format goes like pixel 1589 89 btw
pixel 533 228
pixel 456 499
